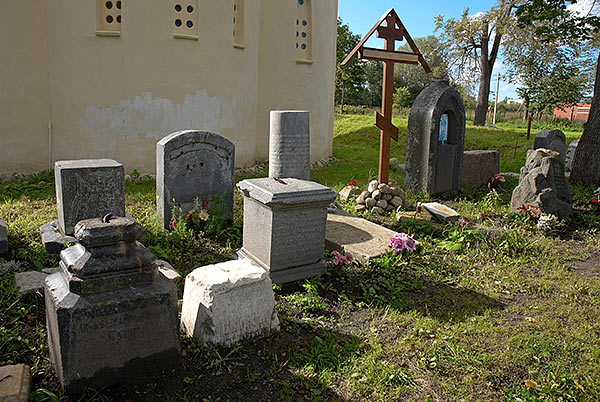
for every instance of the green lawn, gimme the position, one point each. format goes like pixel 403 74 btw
pixel 497 311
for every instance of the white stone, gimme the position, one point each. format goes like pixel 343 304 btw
pixel 348 192
pixel 227 302
pixel 440 211
pixel 168 271
pixel 372 186
pixel 376 194
pixel 382 204
pixel 393 161
pixel 370 202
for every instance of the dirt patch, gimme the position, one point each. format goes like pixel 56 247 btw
pixel 589 268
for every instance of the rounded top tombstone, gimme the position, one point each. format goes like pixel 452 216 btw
pixel 435 140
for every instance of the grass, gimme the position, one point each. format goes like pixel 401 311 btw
pixel 491 312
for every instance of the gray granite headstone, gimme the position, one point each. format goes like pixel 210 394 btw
pixel 3 238
pixel 193 165
pixel 289 145
pixel 284 226
pixel 435 140
pixel 553 140
pixel 88 188
pixel 571 153
pixel 110 316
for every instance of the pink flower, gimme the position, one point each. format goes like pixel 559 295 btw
pixel 401 242
pixel 462 222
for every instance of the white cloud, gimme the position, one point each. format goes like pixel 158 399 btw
pixel 585 7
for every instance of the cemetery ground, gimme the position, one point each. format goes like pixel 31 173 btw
pixel 496 310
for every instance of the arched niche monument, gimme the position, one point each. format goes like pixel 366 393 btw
pixel 435 140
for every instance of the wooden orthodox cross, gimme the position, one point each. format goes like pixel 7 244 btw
pixel 392 31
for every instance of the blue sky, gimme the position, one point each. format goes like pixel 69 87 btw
pixel 418 16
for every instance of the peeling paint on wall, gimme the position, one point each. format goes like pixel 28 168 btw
pixel 158 117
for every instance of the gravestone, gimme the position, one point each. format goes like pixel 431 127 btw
pixel 110 316
pixel 435 140
pixel 284 226
pixel 194 167
pixel 228 302
pixel 289 145
pixel 88 188
pixel 15 383
pixel 479 166
pixel 553 140
pixel 571 154
pixel 542 182
pixel 3 238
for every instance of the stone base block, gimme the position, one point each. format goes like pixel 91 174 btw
pixel 54 241
pixel 111 337
pixel 288 274
pixel 225 303
pixel 29 282
pixel 3 238
pixel 15 383
pixel 479 166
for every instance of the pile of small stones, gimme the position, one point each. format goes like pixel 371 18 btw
pixel 381 197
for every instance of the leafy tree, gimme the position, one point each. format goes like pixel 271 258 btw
pixel 474 41
pixel 350 77
pixel 402 97
pixel 547 73
pixel 557 22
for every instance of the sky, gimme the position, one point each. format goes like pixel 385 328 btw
pixel 418 16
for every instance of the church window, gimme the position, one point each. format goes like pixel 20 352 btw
pixel 108 17
pixel 238 24
pixel 303 31
pixel 185 19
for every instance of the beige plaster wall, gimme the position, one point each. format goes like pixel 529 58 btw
pixel 285 84
pixel 115 97
pixel 23 87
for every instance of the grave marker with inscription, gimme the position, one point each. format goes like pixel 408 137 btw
pixel 193 166
pixel 110 316
pixel 435 140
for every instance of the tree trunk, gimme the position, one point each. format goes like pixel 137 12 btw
pixel 484 88
pixel 586 163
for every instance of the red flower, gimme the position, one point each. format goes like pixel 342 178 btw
pixel 173 224
pixel 204 203
pixel 352 183
pixel 594 201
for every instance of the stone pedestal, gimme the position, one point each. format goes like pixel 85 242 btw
pixel 110 316
pixel 284 226
pixel 88 188
pixel 479 167
pixel 225 303
pixel 289 145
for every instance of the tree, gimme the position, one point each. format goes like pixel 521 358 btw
pixel 558 22
pixel 474 41
pixel 415 79
pixel 348 78
pixel 548 74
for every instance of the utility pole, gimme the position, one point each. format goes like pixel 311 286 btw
pixel 496 101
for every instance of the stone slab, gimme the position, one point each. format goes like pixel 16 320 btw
pixel 9 267
pixel 286 192
pixel 3 238
pixel 227 302
pixel 441 212
pixel 53 240
pixel 363 239
pixel 15 383
pixel 88 188
pixel 571 153
pixel 29 282
pixel 479 166
pixel 193 167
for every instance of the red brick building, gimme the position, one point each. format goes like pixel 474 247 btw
pixel 580 111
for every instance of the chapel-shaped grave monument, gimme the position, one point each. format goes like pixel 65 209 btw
pixel 390 28
pixel 435 140
pixel 193 169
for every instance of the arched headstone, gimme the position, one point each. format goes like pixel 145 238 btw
pixel 435 140
pixel 553 140
pixel 193 166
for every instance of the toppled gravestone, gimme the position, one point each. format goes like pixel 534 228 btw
pixel 110 316
pixel 542 181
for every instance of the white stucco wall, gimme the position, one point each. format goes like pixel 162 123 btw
pixel 115 97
